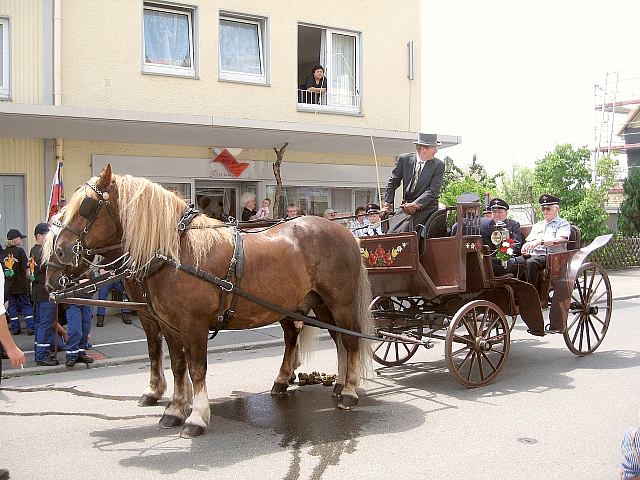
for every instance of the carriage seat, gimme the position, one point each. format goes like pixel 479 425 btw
pixel 575 237
pixel 434 226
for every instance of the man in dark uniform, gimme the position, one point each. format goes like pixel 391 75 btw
pixel 421 176
pixel 499 210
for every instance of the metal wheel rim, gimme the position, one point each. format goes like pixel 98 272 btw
pixel 392 353
pixel 590 311
pixel 477 343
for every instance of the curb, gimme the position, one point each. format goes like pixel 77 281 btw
pixel 110 362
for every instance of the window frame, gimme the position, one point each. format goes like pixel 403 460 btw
pixel 329 64
pixel 5 81
pixel 171 70
pixel 263 41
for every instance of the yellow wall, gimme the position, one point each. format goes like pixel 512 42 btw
pixel 26 37
pixel 101 63
pixel 77 157
pixel 26 157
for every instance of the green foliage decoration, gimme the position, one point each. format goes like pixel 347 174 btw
pixel 629 218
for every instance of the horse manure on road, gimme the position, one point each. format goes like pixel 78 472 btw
pixel 315 378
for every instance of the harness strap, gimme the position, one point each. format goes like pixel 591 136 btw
pixel 196 272
pixel 236 266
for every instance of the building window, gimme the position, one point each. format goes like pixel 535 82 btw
pixel 5 58
pixel 168 46
pixel 242 48
pixel 314 200
pixel 338 52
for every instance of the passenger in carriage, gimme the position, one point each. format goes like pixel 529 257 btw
pixel 248 201
pixel 360 224
pixel 549 235
pixel 375 223
pixel 421 175
pixel 499 209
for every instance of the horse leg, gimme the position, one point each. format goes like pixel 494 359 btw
pixel 157 383
pixel 348 359
pixel 176 412
pixel 324 315
pixel 291 359
pixel 196 352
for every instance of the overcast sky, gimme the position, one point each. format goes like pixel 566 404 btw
pixel 516 78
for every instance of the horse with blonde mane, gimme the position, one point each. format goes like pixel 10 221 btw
pixel 309 263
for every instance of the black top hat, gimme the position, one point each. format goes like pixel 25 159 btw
pixel 428 140
pixel 498 203
pixel 13 233
pixel 468 197
pixel 373 208
pixel 547 199
pixel 41 229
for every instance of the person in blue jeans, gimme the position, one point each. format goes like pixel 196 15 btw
pixel 44 311
pixel 78 329
pixel 103 293
pixel 16 266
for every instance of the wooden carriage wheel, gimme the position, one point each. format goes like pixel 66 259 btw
pixel 477 343
pixel 392 353
pixel 589 311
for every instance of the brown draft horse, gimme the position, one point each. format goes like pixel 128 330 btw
pixel 306 264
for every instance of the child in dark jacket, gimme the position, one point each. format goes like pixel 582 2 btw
pixel 16 267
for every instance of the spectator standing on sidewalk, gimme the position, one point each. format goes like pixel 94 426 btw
pixel 103 293
pixel 78 330
pixel 16 266
pixel 44 311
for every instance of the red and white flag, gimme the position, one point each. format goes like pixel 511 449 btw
pixel 56 200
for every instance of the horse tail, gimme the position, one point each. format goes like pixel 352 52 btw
pixel 364 320
pixel 306 343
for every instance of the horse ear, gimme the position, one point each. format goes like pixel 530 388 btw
pixel 105 178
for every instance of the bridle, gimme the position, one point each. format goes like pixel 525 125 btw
pixel 89 209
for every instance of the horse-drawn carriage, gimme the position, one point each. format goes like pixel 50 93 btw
pixel 433 285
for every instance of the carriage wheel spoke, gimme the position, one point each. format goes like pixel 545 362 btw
pixel 488 330
pixel 473 358
pixel 459 366
pixel 460 339
pixel 581 332
pixel 457 352
pixel 598 319
pixel 587 334
pixel 464 322
pixel 480 369
pixel 575 335
pixel 576 317
pixel 395 347
pixel 593 329
pixel 594 300
pixel 489 361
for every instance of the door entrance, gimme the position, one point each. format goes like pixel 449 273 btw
pixel 12 205
pixel 220 200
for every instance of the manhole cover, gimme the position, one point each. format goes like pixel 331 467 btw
pixel 527 440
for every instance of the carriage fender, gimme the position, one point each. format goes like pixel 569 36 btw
pixel 563 285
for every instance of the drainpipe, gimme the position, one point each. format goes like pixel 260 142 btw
pixel 57 68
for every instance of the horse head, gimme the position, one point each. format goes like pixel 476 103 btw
pixel 90 222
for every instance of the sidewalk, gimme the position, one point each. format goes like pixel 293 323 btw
pixel 125 345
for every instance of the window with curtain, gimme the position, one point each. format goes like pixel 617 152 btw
pixel 4 57
pixel 168 40
pixel 241 49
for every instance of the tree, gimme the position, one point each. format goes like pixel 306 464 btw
pixel 451 173
pixel 517 187
pixel 629 219
pixel 456 182
pixel 566 173
pixel 276 174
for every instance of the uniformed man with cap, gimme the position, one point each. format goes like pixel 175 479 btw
pixel 549 235
pixel 421 176
pixel 375 225
pixel 499 209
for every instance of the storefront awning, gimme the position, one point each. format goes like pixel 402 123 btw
pixel 121 126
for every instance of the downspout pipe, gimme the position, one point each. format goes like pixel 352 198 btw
pixel 57 70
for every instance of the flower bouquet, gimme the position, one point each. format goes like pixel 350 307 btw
pixel 505 251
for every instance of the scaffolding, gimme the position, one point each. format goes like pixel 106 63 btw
pixel 617 103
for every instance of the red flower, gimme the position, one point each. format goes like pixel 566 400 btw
pixel 379 251
pixel 372 259
pixel 503 249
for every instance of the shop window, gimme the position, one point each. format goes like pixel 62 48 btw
pixel 181 189
pixel 242 48
pixel 338 52
pixel 5 60
pixel 314 200
pixel 168 46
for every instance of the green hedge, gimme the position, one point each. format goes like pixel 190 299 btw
pixel 619 253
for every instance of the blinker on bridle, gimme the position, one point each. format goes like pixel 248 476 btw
pixel 89 209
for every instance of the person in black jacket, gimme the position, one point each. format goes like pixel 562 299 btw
pixel 16 266
pixel 44 311
pixel 421 176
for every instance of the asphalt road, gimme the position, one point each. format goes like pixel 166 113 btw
pixel 549 415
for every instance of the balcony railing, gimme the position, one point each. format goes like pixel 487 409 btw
pixel 328 102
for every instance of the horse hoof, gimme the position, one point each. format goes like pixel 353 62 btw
pixel 337 390
pixel 147 401
pixel 279 388
pixel 347 402
pixel 170 421
pixel 191 431
pixel 292 379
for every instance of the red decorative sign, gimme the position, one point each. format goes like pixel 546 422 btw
pixel 234 167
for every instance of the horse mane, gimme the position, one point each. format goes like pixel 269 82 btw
pixel 47 247
pixel 150 214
